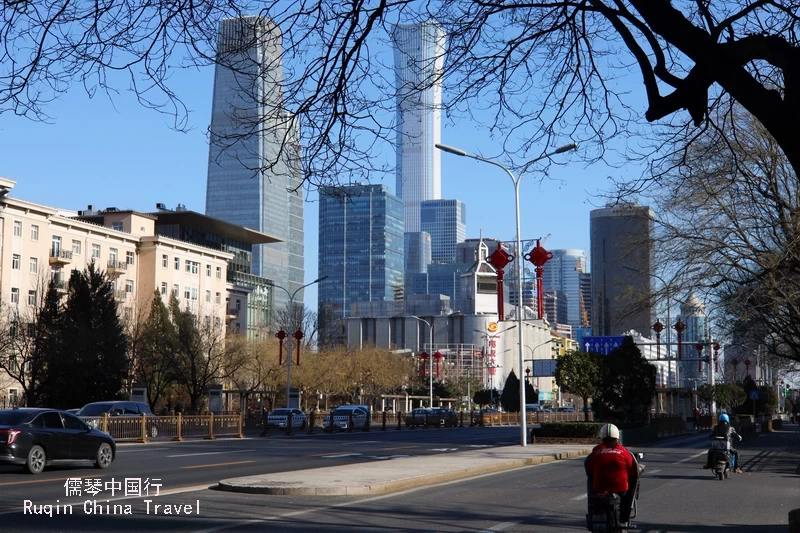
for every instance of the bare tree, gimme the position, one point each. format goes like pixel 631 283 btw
pixel 538 70
pixel 302 318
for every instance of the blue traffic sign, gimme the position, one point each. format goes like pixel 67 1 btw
pixel 753 394
pixel 602 345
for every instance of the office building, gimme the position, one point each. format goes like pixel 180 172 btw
pixel 556 307
pixel 563 273
pixel 621 265
pixel 693 316
pixel 418 62
pixel 254 172
pixel 360 249
pixel 446 222
pixel 586 300
pixel 417 252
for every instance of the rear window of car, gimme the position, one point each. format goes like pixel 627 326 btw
pixel 94 409
pixel 12 418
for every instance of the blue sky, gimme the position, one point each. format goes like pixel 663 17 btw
pixel 117 153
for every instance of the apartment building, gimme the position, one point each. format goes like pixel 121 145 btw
pixel 40 243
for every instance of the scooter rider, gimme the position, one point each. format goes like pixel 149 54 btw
pixel 612 468
pixel 724 429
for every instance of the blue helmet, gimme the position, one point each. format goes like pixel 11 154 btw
pixel 724 418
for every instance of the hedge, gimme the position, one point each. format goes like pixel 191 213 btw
pixel 578 430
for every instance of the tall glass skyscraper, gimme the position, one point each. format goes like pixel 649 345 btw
pixel 418 62
pixel 360 248
pixel 563 273
pixel 446 222
pixel 251 181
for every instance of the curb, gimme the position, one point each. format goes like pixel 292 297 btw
pixel 275 488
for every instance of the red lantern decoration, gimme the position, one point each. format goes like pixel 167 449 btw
pixel 499 259
pixel 747 365
pixel 298 335
pixel 437 356
pixel 699 348
pixel 424 356
pixel 538 256
pixel 679 327
pixel 281 335
pixel 658 327
pixel 716 356
pixel 735 363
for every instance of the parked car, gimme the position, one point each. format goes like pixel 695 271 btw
pixel 92 413
pixel 487 416
pixel 277 418
pixel 342 416
pixel 36 438
pixel 444 417
pixel 417 416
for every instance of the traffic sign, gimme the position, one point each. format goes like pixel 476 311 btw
pixel 753 394
pixel 602 344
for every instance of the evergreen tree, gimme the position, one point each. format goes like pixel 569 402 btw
pixel 91 363
pixel 579 373
pixel 47 331
pixel 509 399
pixel 628 382
pixel 153 362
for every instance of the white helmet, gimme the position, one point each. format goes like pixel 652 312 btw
pixel 609 431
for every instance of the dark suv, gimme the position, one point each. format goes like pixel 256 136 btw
pixel 120 408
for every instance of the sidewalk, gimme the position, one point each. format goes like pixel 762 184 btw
pixel 403 473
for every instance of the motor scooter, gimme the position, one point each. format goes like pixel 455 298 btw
pixel 722 460
pixel 603 516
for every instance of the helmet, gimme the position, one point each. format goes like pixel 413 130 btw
pixel 609 431
pixel 724 418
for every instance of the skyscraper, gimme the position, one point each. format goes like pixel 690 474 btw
pixel 446 222
pixel 563 273
pixel 252 182
pixel 693 315
pixel 418 62
pixel 621 258
pixel 360 248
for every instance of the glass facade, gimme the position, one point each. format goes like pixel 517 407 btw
pixel 360 248
pixel 418 62
pixel 563 273
pixel 252 182
pixel 446 222
pixel 417 252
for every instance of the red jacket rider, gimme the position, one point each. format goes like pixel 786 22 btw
pixel 610 464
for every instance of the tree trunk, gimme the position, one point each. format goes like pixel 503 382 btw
pixel 585 408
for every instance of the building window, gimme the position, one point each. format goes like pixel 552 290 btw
pixel 176 290
pixel 76 247
pixel 129 257
pixel 34 265
pixel 219 272
pixel 116 226
pixel 129 285
pixel 208 297
pixel 208 270
pixel 31 297
pixel 17 228
pixel 207 321
pixel 194 293
pixel 187 293
pixel 14 295
pixel 164 288
pixel 165 261
pixel 192 267
pixel 95 251
pixel 177 263
pixel 56 245
pixel 34 232
pixel 15 261
pixel 218 299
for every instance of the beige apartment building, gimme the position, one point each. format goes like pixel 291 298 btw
pixel 40 243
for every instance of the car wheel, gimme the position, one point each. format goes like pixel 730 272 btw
pixel 37 459
pixel 153 432
pixel 104 456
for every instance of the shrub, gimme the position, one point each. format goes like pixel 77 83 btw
pixel 575 430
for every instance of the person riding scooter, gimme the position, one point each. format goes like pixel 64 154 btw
pixel 724 429
pixel 612 468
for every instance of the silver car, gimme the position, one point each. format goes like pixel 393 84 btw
pixel 342 416
pixel 277 418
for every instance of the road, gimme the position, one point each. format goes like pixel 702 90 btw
pixel 677 495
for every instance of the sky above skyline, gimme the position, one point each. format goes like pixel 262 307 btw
pixel 119 154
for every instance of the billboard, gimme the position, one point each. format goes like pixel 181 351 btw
pixel 544 368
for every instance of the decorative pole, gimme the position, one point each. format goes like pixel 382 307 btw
pixel 499 259
pixel 699 348
pixel 281 335
pixel 424 356
pixel 298 335
pixel 735 363
pixel 716 356
pixel 747 365
pixel 539 256
pixel 658 327
pixel 437 355
pixel 679 327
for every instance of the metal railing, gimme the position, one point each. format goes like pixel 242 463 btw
pixel 143 428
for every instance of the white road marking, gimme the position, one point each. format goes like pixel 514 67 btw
pixel 208 453
pixel 443 449
pixel 653 471
pixel 695 456
pixel 578 498
pixel 501 527
pixel 338 455
pixel 126 450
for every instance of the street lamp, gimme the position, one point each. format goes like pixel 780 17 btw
pixel 291 318
pixel 667 287
pixel 515 180
pixel 430 360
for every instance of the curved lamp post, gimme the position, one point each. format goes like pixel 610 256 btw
pixel 291 317
pixel 518 263
pixel 430 360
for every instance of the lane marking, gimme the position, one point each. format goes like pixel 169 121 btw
pixel 217 464
pixel 208 453
pixel 127 450
pixel 502 526
pixel 337 456
pixel 578 498
pixel 9 483
pixel 695 456
pixel 653 471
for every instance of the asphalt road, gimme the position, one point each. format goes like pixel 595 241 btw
pixel 677 495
